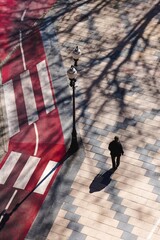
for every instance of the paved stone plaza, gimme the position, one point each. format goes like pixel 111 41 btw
pixel 117 93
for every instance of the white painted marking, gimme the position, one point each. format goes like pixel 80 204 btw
pixel 42 187
pixel 22 51
pixel 11 108
pixel 37 139
pixel 8 166
pixel 23 15
pixel 9 203
pixel 45 86
pixel 153 229
pixel 26 172
pixel 29 98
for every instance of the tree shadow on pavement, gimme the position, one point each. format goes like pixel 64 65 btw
pixel 101 181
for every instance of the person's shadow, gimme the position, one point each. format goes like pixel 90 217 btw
pixel 101 181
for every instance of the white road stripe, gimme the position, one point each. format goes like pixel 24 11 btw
pixel 42 187
pixel 22 51
pixel 37 139
pixel 23 15
pixel 11 108
pixel 26 172
pixel 9 203
pixel 45 86
pixel 8 166
pixel 29 98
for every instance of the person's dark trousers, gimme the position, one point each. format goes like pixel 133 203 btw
pixel 118 160
pixel 113 161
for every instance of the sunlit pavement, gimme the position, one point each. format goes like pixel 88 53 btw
pixel 117 94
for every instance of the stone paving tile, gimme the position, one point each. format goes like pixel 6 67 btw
pixel 125 227
pixel 75 226
pixel 77 236
pixel 72 217
pixel 127 236
pixel 116 94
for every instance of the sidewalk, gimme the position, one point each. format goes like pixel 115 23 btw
pixel 117 94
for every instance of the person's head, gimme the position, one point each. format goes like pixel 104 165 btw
pixel 116 138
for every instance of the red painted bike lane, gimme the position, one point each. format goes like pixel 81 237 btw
pixel 18 15
pixel 36 141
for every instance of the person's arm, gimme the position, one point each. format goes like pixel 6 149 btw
pixel 122 149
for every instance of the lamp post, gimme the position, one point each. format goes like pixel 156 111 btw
pixel 72 75
pixel 76 55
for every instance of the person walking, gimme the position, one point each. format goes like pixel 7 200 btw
pixel 116 150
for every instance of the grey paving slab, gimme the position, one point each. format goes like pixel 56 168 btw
pixel 125 227
pixel 103 165
pixel 72 216
pixel 144 157
pixel 115 199
pixel 97 150
pixel 77 236
pixel 114 191
pixel 100 157
pixel 118 208
pixel 142 151
pixel 75 226
pixel 157 190
pixel 129 236
pixel 154 182
pixel 121 217
pixel 69 199
pixel 151 174
pixel 152 147
pixel 95 142
pixel 69 207
pixel 149 166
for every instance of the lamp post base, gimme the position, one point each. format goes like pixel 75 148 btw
pixel 74 142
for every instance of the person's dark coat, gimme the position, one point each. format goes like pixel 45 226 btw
pixel 115 148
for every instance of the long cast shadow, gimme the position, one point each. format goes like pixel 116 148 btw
pixel 101 181
pixel 5 216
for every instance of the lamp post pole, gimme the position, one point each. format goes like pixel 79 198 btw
pixel 76 55
pixel 72 75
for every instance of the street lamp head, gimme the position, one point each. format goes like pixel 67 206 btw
pixel 76 53
pixel 72 73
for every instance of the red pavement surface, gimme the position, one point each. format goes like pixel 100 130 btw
pixel 51 145
pixel 11 12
